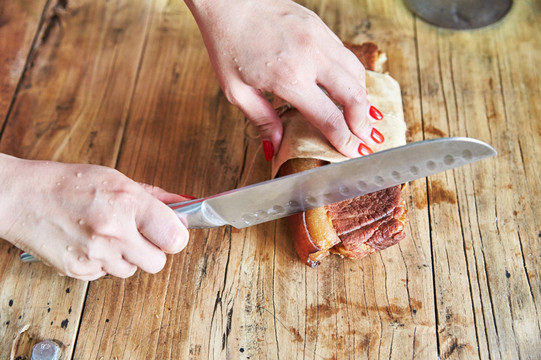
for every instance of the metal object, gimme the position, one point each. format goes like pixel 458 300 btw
pixel 314 188
pixel 46 350
pixel 460 14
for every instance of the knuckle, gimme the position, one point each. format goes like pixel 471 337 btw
pixel 353 63
pixel 333 121
pixel 357 96
pixel 348 142
pixel 124 197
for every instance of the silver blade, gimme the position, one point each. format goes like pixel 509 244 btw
pixel 332 183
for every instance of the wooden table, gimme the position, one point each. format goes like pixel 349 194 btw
pixel 128 84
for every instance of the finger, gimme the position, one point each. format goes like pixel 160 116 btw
pixel 347 87
pixel 161 226
pixel 353 99
pixel 260 113
pixel 144 254
pixel 115 253
pixel 120 268
pixel 164 196
pixel 319 109
pixel 80 267
pixel 102 255
pixel 90 277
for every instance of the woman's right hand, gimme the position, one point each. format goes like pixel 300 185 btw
pixel 87 220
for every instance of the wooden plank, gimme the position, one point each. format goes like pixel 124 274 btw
pixel 72 107
pixel 19 22
pixel 180 136
pixel 469 81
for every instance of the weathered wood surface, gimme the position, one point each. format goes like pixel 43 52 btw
pixel 128 84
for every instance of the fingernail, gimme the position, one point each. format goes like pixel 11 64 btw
pixel 188 196
pixel 364 150
pixel 377 136
pixel 375 113
pixel 268 150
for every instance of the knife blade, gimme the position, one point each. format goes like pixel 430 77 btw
pixel 284 196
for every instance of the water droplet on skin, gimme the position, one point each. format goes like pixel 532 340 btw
pixel 240 68
pixel 81 222
pixel 79 174
pixel 268 63
pixel 69 248
pixel 236 60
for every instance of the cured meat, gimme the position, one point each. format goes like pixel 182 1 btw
pixel 356 227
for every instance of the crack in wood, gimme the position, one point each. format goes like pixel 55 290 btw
pixel 54 20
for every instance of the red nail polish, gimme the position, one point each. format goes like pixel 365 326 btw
pixel 189 197
pixel 377 136
pixel 268 150
pixel 364 150
pixel 375 113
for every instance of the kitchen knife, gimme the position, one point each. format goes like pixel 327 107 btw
pixel 284 196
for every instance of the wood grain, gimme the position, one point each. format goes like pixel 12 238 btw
pixel 129 84
pixel 19 23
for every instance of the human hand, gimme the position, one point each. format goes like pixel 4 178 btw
pixel 86 220
pixel 281 47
